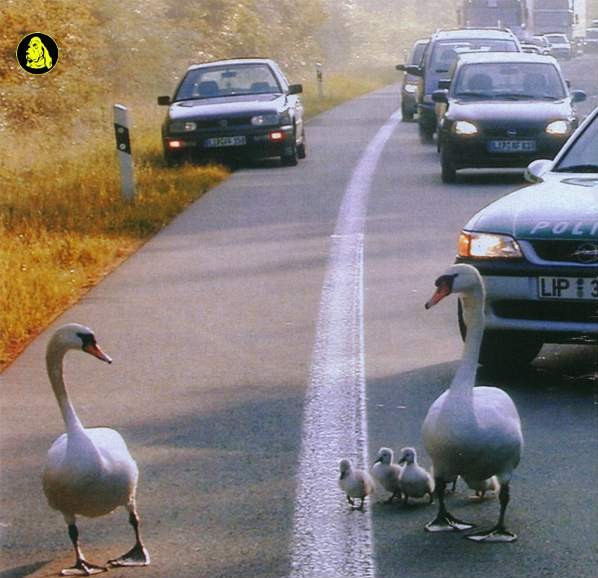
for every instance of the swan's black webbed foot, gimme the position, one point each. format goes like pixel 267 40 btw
pixel 83 568
pixel 137 556
pixel 447 523
pixel 497 534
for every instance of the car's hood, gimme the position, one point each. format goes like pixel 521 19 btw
pixel 496 112
pixel 227 105
pixel 563 207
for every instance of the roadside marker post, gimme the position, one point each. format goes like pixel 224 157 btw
pixel 320 79
pixel 123 146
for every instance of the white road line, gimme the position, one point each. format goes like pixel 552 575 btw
pixel 330 540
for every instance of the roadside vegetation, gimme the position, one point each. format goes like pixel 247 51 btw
pixel 63 224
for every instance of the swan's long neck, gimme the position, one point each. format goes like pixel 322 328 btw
pixel 54 358
pixel 473 309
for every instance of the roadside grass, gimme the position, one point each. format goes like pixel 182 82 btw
pixel 64 225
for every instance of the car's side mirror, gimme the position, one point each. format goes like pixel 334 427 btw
pixel 295 89
pixel 534 171
pixel 578 96
pixel 164 100
pixel 414 69
pixel 568 83
pixel 401 67
pixel 440 96
pixel 444 83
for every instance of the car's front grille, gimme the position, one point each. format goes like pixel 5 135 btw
pixel 512 132
pixel 224 122
pixel 568 311
pixel 566 251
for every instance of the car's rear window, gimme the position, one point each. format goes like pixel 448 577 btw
pixel 445 52
pixel 216 81
pixel 418 52
pixel 517 80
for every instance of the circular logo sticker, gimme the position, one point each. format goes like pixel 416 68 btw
pixel 37 53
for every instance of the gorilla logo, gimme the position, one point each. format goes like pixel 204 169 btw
pixel 37 54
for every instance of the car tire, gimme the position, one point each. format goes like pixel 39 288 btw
pixel 406 114
pixel 503 350
pixel 448 171
pixel 301 150
pixel 426 133
pixel 289 159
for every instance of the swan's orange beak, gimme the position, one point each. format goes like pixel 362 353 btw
pixel 443 289
pixel 94 349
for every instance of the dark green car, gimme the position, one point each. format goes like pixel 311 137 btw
pixel 537 250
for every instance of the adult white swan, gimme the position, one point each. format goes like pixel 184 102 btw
pixel 89 472
pixel 474 432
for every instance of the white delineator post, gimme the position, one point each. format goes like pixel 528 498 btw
pixel 123 146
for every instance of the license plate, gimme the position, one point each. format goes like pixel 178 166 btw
pixel 225 141
pixel 582 288
pixel 512 146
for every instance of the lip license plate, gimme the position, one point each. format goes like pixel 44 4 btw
pixel 512 146
pixel 576 288
pixel 225 141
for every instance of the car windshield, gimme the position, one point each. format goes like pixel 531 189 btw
pixel 557 39
pixel 582 155
pixel 511 81
pixel 445 53
pixel 230 80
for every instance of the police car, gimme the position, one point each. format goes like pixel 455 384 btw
pixel 537 250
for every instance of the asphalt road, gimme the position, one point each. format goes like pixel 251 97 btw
pixel 214 326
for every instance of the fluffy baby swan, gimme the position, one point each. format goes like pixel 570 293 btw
pixel 483 486
pixel 355 483
pixel 415 481
pixel 387 474
pixel 89 472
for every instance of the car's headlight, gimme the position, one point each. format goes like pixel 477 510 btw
pixel 265 119
pixel 411 88
pixel 488 246
pixel 183 126
pixel 465 128
pixel 558 127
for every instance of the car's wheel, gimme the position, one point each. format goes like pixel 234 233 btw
pixel 426 132
pixel 172 159
pixel 447 166
pixel 289 157
pixel 504 350
pixel 301 150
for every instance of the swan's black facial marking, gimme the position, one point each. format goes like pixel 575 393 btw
pixel 446 281
pixel 88 339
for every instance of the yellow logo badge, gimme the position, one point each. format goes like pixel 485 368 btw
pixel 37 53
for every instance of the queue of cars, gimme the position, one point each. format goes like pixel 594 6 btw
pixel 536 248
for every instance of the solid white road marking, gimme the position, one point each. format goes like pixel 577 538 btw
pixel 330 540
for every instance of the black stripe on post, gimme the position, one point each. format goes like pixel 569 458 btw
pixel 123 143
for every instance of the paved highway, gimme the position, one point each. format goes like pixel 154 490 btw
pixel 230 332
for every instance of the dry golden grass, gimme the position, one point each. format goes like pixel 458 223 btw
pixel 63 224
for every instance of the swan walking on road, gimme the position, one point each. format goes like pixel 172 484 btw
pixel 387 474
pixel 355 483
pixel 474 432
pixel 89 472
